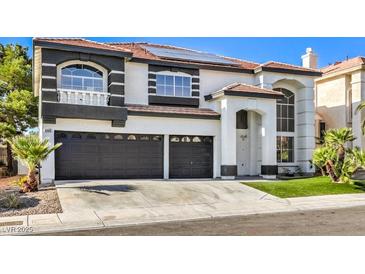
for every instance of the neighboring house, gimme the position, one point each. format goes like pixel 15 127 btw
pixel 138 110
pixel 338 93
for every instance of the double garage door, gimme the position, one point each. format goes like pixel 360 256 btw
pixel 128 156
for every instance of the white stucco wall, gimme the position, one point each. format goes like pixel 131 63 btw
pixel 137 125
pixel 136 83
pixel 331 101
pixel 211 81
pixel 304 135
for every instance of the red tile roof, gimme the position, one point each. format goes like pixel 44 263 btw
pixel 246 90
pixel 205 112
pixel 338 66
pixel 279 65
pixel 81 43
pixel 140 52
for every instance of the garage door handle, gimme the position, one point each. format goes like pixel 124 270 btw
pixel 191 162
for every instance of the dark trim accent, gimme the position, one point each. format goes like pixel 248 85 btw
pixel 195 93
pixel 195 80
pixel 151 83
pixel 87 50
pixel 49 71
pixel 49 83
pixel 269 170
pixel 172 115
pixel 190 66
pixel 57 57
pixel 116 89
pixel 151 76
pixel 228 170
pixel 167 100
pixel 58 110
pixel 49 96
pixel 118 123
pixel 116 101
pixel 116 77
pixel 195 86
pixel 152 90
pixel 49 120
pixel 242 94
pixel 167 67
pixel 289 71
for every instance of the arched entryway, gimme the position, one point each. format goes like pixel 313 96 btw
pixel 248 143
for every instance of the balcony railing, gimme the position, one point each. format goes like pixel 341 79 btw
pixel 81 97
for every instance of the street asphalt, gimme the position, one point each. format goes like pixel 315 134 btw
pixel 343 221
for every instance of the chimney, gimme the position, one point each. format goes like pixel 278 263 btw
pixel 309 60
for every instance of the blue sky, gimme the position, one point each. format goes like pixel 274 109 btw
pixel 260 50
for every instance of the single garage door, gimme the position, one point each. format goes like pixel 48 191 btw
pixel 108 156
pixel 191 157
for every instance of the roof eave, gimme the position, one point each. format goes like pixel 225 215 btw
pixel 221 93
pixel 82 49
pixel 288 71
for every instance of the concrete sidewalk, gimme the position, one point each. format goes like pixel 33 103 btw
pixel 89 218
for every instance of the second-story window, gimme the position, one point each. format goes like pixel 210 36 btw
pixel 81 77
pixel 173 85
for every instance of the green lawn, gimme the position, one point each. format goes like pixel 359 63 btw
pixel 306 187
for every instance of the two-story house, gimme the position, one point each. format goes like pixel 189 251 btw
pixel 139 110
pixel 338 93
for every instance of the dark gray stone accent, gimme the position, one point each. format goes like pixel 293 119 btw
pixel 53 56
pixel 49 83
pixel 49 120
pixel 116 101
pixel 118 123
pixel 50 96
pixel 195 80
pixel 116 77
pixel 228 170
pixel 195 86
pixel 151 83
pixel 195 93
pixel 152 90
pixel 59 110
pixel 166 67
pixel 151 76
pixel 167 100
pixel 116 89
pixel 49 71
pixel 269 170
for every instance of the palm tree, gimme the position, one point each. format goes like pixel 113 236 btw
pixel 30 150
pixel 337 139
pixel 358 109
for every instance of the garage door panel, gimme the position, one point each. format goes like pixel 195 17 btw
pixel 101 155
pixel 191 157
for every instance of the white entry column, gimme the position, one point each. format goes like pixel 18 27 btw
pixel 269 166
pixel 228 141
pixel 47 171
pixel 166 156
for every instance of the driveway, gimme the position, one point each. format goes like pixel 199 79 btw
pixel 143 200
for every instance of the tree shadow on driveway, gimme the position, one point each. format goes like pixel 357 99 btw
pixel 104 189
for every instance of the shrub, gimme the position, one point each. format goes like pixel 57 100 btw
pixel 9 200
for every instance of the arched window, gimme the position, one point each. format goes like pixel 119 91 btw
pixel 285 119
pixel 285 111
pixel 81 77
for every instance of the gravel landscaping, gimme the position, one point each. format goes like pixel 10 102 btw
pixel 44 201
